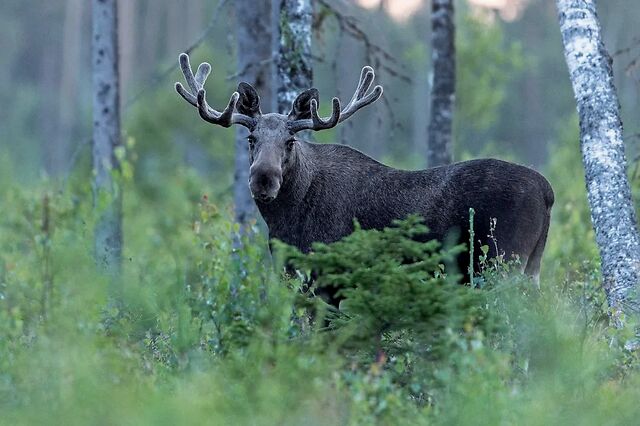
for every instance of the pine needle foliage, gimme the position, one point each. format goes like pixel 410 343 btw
pixel 396 292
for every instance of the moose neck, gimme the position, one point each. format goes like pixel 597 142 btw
pixel 295 184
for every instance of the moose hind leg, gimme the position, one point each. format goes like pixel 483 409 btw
pixel 532 267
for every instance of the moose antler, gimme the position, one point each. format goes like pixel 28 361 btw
pixel 197 97
pixel 359 100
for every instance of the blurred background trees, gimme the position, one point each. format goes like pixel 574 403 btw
pixel 443 56
pixel 512 95
pixel 603 153
pixel 107 194
pixel 253 53
pixel 197 335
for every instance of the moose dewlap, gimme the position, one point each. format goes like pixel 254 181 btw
pixel 310 192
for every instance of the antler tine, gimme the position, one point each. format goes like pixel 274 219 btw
pixel 315 122
pixel 202 73
pixel 366 78
pixel 195 82
pixel 327 123
pixel 185 94
pixel 359 100
pixel 185 65
pixel 197 96
pixel 210 115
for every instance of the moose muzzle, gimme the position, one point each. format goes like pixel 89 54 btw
pixel 265 183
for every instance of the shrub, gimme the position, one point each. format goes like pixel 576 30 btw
pixel 400 307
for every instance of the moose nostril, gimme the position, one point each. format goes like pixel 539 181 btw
pixel 264 180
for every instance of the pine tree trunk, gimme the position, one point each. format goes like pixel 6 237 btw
pixel 601 142
pixel 253 32
pixel 294 69
pixel 106 136
pixel 440 149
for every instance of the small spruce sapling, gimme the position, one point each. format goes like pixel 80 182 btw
pixel 394 291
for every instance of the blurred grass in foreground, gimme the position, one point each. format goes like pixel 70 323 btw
pixel 200 335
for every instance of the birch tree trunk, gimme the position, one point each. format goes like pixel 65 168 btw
pixel 253 32
pixel 294 69
pixel 106 136
pixel 601 142
pixel 439 148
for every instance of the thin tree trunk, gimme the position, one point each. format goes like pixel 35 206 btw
pixel 609 194
pixel 71 47
pixel 151 27
pixel 106 136
pixel 127 42
pixel 294 69
pixel 253 32
pixel 440 149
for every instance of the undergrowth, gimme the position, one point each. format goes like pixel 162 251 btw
pixel 201 333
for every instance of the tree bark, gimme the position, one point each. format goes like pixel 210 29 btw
pixel 253 32
pixel 106 136
pixel 294 69
pixel 601 142
pixel 440 149
pixel 151 24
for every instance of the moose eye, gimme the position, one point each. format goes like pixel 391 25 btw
pixel 252 141
pixel 290 144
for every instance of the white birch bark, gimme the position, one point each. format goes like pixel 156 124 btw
pixel 106 136
pixel 294 69
pixel 601 142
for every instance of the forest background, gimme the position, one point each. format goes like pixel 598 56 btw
pixel 201 336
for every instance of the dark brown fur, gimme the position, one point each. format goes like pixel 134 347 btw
pixel 326 187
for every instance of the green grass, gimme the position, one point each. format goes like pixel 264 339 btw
pixel 200 335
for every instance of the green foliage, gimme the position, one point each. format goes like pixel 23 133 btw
pixel 486 63
pixel 397 303
pixel 571 210
pixel 171 133
pixel 204 333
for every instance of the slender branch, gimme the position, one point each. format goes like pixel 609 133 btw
pixel 635 43
pixel 249 66
pixel 351 26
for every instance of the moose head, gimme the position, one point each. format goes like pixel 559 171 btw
pixel 272 139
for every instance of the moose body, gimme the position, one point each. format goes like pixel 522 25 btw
pixel 331 185
pixel 310 193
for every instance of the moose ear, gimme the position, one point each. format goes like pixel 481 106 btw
pixel 249 102
pixel 301 108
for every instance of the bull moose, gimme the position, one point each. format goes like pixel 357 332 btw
pixel 308 192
